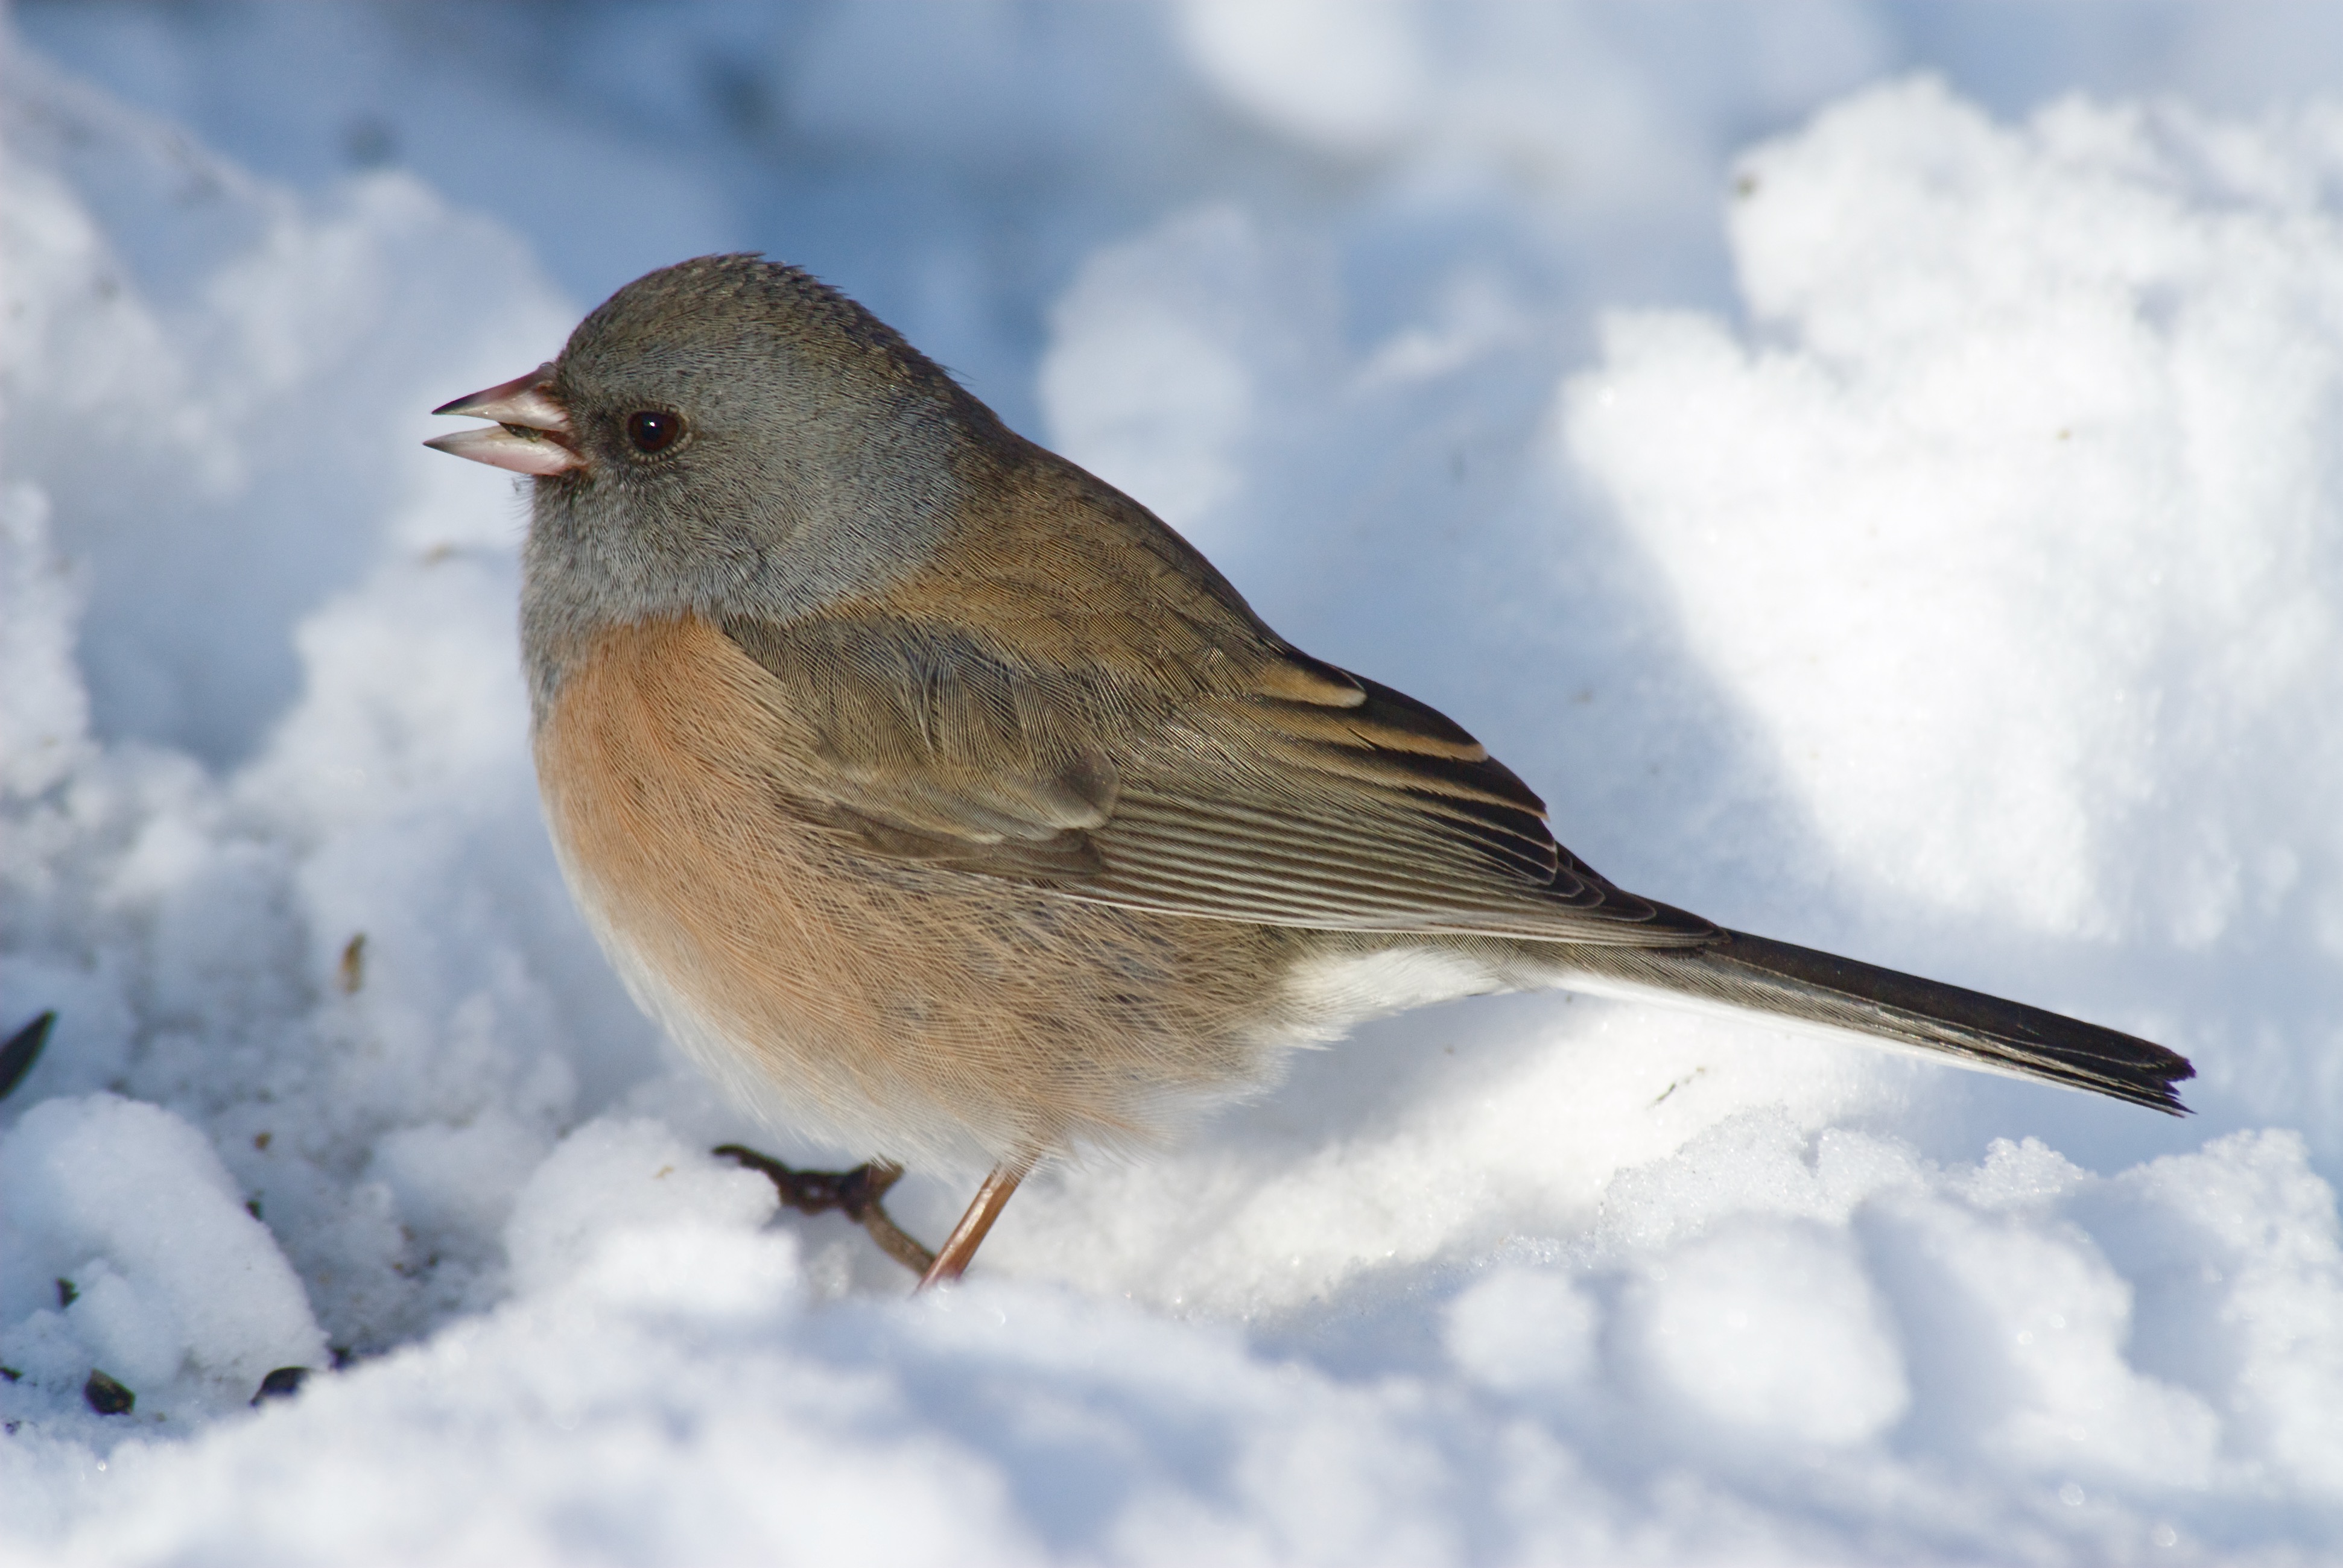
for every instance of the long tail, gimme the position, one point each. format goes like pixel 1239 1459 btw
pixel 1754 973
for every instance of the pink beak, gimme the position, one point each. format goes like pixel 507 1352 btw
pixel 531 433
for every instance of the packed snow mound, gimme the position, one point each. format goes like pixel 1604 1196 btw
pixel 2023 416
pixel 2021 498
pixel 161 1272
pixel 1969 605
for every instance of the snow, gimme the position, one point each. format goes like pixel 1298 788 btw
pixel 169 1272
pixel 1890 511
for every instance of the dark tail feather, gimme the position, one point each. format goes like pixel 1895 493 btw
pixel 1799 983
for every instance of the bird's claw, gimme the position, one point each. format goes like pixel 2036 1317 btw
pixel 859 1194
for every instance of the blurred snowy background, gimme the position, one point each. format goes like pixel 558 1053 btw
pixel 1872 467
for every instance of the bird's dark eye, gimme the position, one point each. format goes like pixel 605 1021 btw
pixel 653 430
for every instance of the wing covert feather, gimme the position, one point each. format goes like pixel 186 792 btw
pixel 1288 792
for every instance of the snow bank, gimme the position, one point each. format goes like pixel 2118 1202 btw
pixel 1971 605
pixel 159 1270
pixel 2023 500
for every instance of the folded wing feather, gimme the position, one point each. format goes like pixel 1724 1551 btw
pixel 1288 793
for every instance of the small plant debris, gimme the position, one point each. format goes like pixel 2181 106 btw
pixel 282 1383
pixel 352 973
pixel 106 1396
pixel 23 1049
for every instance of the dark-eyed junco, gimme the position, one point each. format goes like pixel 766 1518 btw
pixel 930 790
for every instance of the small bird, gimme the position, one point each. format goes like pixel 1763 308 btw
pixel 931 791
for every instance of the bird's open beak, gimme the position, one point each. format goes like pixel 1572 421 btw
pixel 531 433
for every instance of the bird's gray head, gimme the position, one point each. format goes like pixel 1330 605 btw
pixel 727 435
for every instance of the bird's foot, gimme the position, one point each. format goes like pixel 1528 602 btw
pixel 858 1195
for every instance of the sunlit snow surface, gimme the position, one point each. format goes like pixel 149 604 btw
pixel 1962 589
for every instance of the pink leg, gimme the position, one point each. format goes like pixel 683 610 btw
pixel 952 1258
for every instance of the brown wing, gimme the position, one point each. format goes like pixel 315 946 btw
pixel 1293 794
